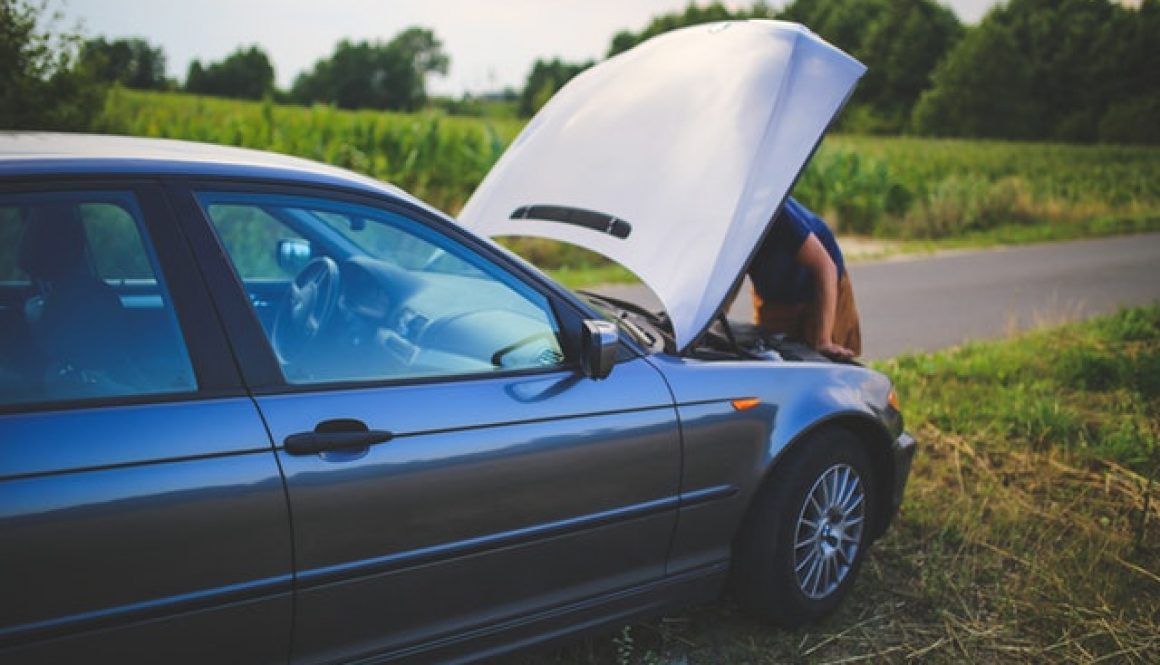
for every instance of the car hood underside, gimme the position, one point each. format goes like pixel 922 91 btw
pixel 672 158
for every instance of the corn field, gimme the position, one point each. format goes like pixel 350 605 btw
pixel 437 157
pixel 894 187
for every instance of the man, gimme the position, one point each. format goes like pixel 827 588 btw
pixel 800 284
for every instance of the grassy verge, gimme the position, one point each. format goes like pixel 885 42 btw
pixel 860 248
pixel 583 276
pixel 1030 531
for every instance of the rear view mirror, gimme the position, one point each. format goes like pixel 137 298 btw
pixel 294 254
pixel 599 342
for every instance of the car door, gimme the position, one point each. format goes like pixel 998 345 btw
pixel 142 512
pixel 448 467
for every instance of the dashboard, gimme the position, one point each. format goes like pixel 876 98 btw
pixel 391 322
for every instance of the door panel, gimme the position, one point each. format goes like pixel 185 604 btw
pixel 244 633
pixel 496 497
pixel 420 604
pixel 146 529
pixel 501 481
pixel 142 512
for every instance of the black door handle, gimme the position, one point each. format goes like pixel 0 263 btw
pixel 331 435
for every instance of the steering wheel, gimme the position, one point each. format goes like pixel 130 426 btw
pixel 498 356
pixel 308 307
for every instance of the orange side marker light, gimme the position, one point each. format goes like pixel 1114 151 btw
pixel 745 403
pixel 893 399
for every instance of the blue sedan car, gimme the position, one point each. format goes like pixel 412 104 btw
pixel 255 409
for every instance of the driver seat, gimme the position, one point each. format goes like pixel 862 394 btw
pixel 75 318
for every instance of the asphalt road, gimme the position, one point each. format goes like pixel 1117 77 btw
pixel 930 303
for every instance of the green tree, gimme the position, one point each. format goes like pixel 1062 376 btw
pixel 133 63
pixel 41 86
pixel 842 22
pixel 901 49
pixel 1063 70
pixel 983 88
pixel 244 74
pixel 1061 41
pixel 376 75
pixel 692 15
pixel 1128 73
pixel 546 77
pixel 900 42
pixel 1132 120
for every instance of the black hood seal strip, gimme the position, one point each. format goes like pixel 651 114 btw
pixel 589 219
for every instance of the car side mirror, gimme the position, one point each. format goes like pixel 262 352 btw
pixel 599 341
pixel 294 254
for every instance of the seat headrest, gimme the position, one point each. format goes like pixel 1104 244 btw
pixel 54 242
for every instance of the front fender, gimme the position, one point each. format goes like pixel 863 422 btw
pixel 727 453
pixel 795 397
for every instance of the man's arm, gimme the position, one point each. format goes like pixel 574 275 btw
pixel 816 259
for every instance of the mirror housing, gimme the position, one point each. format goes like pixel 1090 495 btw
pixel 294 254
pixel 599 341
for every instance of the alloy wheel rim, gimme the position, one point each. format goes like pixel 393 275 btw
pixel 829 531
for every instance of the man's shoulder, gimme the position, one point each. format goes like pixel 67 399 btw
pixel 803 216
pixel 795 221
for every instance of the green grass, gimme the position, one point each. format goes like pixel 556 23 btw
pixel 1091 390
pixel 1030 532
pixel 585 276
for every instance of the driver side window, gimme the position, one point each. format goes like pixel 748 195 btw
pixel 365 294
pixel 248 232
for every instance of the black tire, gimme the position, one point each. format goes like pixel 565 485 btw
pixel 789 567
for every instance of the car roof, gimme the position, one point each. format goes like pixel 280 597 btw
pixel 51 153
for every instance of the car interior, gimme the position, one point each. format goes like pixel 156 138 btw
pixel 67 331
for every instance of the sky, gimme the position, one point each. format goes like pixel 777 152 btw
pixel 492 43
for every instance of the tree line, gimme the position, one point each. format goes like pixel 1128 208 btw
pixel 365 74
pixel 54 80
pixel 1057 70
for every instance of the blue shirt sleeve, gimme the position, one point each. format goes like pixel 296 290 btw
pixel 793 225
pixel 775 272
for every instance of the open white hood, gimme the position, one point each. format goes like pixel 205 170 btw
pixel 672 158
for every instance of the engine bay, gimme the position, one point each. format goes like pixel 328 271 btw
pixel 725 339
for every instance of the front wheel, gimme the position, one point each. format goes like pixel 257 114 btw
pixel 807 531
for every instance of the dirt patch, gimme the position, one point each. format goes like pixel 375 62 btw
pixel 862 248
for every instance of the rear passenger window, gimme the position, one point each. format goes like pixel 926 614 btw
pixel 11 227
pixel 118 250
pixel 83 310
